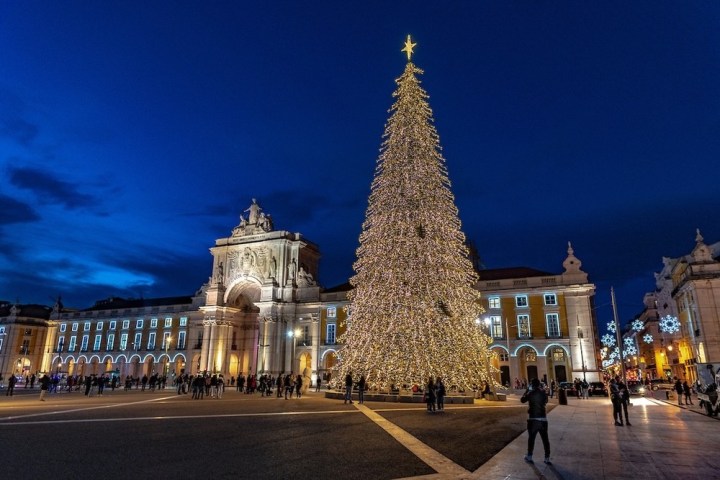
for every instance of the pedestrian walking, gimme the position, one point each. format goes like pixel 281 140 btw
pixel 317 384
pixel 615 397
pixel 552 388
pixel 44 387
pixel 279 385
pixel 11 385
pixel 687 392
pixel 536 398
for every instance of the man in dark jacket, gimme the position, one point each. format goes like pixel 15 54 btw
pixel 537 419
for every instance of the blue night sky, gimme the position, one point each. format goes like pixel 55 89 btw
pixel 132 134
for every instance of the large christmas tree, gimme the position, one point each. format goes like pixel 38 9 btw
pixel 413 310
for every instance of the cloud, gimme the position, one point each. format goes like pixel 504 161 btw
pixel 50 189
pixel 22 131
pixel 14 211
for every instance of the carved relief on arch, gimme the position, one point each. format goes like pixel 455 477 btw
pixel 243 294
pixel 249 262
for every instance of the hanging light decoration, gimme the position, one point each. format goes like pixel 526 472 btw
pixel 638 325
pixel 647 338
pixel 669 324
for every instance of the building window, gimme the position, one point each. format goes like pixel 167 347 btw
pixel 183 321
pixel 123 341
pixel 139 324
pixel 75 327
pixel 25 348
pixel 181 340
pixel 153 323
pixel 96 344
pixel 553 324
pixel 523 326
pixel 2 330
pixel 330 337
pixel 530 356
pixel 73 343
pixel 168 322
pixel 98 326
pixel 521 301
pixel 558 355
pixel 84 343
pixel 1 344
pixel 166 342
pixel 332 312
pixel 503 356
pixel 86 327
pixel 113 325
pixel 126 324
pixel 494 302
pixel 63 327
pixel 61 344
pixel 496 326
pixel 110 342
pixel 550 299
pixel 137 344
pixel 151 341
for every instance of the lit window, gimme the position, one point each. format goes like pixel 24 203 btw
pixel 153 323
pixel 331 312
pixel 330 339
pixel 181 340
pixel 73 344
pixel 86 327
pixel 75 327
pixel 98 341
pixel 168 322
pixel 113 325
pixel 558 355
pixel 2 329
pixel 503 356
pixel 553 324
pixel 494 302
pixel 166 343
pixel 496 326
pixel 61 344
pixel 110 342
pixel 550 299
pixel 523 326
pixel 137 344
pixel 139 324
pixel 151 341
pixel 99 326
pixel 84 343
pixel 126 324
pixel 183 321
pixel 530 356
pixel 521 301
pixel 123 341
pixel 63 327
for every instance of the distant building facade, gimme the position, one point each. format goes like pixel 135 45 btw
pixel 262 311
pixel 687 297
pixel 542 324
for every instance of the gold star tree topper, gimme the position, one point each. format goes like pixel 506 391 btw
pixel 408 47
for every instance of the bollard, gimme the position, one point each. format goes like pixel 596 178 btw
pixel 562 396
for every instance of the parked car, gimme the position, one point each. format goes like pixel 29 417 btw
pixel 598 388
pixel 661 384
pixel 636 388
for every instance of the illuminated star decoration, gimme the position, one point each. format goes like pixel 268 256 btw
pixel 408 47
pixel 608 340
pixel 637 325
pixel 647 338
pixel 669 324
pixel 611 327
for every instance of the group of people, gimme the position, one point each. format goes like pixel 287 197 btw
pixel 435 394
pixel 683 390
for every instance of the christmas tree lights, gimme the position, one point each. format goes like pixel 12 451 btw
pixel 413 303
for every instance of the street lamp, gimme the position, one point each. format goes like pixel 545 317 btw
pixel 582 354
pixel 486 322
pixel 168 339
pixel 2 352
pixel 292 334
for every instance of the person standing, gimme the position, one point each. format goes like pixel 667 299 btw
pixel 430 395
pixel 679 390
pixel 536 398
pixel 615 399
pixel 687 392
pixel 440 392
pixel 317 385
pixel 298 386
pixel 361 389
pixel 44 386
pixel 279 385
pixel 348 387
pixel 624 400
pixel 552 388
pixel 11 385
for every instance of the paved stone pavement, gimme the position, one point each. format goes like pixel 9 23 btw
pixel 665 441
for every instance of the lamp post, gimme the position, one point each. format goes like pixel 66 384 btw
pixel 168 339
pixel 486 323
pixel 582 354
pixel 292 334
pixel 2 352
